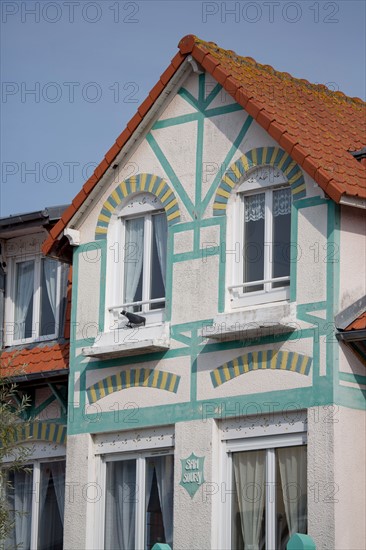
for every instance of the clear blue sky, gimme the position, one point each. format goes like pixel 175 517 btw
pixel 90 64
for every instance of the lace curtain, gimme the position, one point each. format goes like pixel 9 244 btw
pixel 254 208
pixel 281 202
pixel 254 205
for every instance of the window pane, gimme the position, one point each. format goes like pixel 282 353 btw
pixel 292 495
pixel 121 499
pixel 159 501
pixel 254 214
pixel 24 287
pixel 51 506
pixel 248 520
pixel 48 297
pixel 281 235
pixel 158 259
pixel 19 498
pixel 133 261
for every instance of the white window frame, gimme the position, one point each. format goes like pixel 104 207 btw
pixel 36 487
pixel 116 257
pixel 269 444
pixel 101 468
pixel 10 301
pixel 252 186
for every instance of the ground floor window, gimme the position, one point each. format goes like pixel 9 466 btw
pixel 268 493
pixel 138 502
pixel 36 501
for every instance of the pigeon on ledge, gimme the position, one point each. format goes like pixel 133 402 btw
pixel 134 320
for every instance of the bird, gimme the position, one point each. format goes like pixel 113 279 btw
pixel 134 320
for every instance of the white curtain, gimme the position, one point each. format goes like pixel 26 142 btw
pixel 282 202
pixel 24 293
pixel 58 476
pixel 293 471
pixel 134 247
pixel 23 487
pixel 160 230
pixel 254 208
pixel 120 505
pixel 165 480
pixel 249 471
pixel 50 277
pixel 45 478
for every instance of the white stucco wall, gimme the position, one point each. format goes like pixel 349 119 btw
pixel 353 256
pixel 75 521
pixel 350 479
pixel 195 527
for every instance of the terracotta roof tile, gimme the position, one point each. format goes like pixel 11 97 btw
pixel 320 126
pixel 359 323
pixel 30 360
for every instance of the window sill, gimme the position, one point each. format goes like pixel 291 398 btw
pixel 125 342
pixel 253 322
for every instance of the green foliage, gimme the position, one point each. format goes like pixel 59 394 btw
pixel 13 408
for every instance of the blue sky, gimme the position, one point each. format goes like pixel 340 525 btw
pixel 90 64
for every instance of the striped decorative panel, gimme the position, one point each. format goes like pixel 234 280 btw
pixel 262 156
pixel 38 431
pixel 132 378
pixel 139 183
pixel 261 360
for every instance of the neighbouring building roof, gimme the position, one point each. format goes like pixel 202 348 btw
pixel 35 359
pixel 351 325
pixel 318 127
pixel 358 324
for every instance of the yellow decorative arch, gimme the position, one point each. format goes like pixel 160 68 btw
pixel 262 156
pixel 139 183
pixel 260 360
pixel 38 431
pixel 132 378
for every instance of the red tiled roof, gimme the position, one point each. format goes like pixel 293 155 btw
pixel 316 126
pixel 45 358
pixel 358 324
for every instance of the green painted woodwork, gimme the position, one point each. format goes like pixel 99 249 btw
pixel 299 541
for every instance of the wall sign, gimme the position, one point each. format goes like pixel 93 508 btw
pixel 192 473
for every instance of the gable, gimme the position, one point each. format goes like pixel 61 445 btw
pixel 305 120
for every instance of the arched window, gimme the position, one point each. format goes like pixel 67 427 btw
pixel 141 244
pixel 262 232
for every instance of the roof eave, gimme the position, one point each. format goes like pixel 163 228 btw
pixel 175 73
pixel 356 202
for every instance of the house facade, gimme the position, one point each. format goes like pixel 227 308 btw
pixel 35 318
pixel 229 216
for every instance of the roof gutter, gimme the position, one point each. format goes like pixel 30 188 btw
pixel 355 202
pixel 351 335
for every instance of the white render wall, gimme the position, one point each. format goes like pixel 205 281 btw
pixel 195 523
pixel 350 479
pixel 353 256
pixel 77 478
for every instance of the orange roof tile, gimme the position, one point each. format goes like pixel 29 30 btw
pixel 358 324
pixel 45 358
pixel 315 125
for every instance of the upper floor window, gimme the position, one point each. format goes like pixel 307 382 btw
pixel 262 231
pixel 33 299
pixel 140 280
